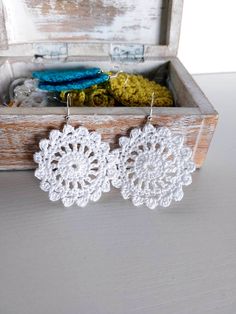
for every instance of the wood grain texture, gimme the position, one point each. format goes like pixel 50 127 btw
pixel 20 134
pixel 91 20
pixel 88 27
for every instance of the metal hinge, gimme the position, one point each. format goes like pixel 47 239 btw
pixel 50 52
pixel 127 53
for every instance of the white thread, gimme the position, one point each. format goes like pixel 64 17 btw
pixel 75 166
pixel 153 166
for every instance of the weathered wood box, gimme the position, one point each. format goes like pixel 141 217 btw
pixel 140 36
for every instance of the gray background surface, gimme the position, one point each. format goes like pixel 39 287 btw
pixel 114 258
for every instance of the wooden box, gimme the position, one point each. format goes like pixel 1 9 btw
pixel 137 35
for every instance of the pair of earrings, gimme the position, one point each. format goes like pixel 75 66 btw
pixel 150 167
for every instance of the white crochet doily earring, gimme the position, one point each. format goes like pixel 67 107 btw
pixel 153 165
pixel 74 165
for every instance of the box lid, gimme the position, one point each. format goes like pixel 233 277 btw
pixel 89 27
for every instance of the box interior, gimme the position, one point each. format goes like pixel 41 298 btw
pixel 162 71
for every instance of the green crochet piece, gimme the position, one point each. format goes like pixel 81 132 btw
pixel 136 91
pixel 95 96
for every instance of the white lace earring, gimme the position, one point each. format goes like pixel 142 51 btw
pixel 74 164
pixel 153 165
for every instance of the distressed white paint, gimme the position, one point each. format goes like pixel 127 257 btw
pixel 89 27
pixel 19 24
pixel 135 21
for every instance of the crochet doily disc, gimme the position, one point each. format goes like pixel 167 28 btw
pixel 153 165
pixel 74 165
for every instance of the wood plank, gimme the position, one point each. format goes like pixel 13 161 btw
pixel 187 88
pixel 173 26
pixel 116 111
pixel 20 135
pixel 87 20
pixel 204 138
pixel 88 26
pixel 3 33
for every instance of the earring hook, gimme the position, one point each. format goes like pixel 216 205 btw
pixel 119 70
pixel 149 118
pixel 68 105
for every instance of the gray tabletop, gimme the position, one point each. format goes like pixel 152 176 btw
pixel 114 258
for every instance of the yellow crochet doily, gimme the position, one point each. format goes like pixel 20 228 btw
pixel 135 90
